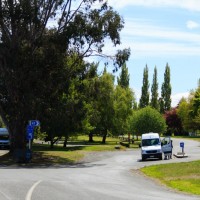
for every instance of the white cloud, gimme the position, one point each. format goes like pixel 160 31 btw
pixel 192 25
pixel 146 39
pixel 141 28
pixel 155 49
pixel 177 97
pixel 165 49
pixel 192 5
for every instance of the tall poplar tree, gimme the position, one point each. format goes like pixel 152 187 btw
pixel 154 91
pixel 124 77
pixel 165 101
pixel 144 100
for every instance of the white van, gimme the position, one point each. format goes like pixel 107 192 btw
pixel 152 147
pixel 4 138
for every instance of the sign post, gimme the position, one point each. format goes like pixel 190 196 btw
pixel 182 146
pixel 30 135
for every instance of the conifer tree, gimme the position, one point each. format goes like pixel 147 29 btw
pixel 154 91
pixel 123 79
pixel 144 100
pixel 165 102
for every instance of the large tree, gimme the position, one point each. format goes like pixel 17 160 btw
pixel 147 120
pixel 144 100
pixel 189 111
pixel 154 91
pixel 173 122
pixel 69 112
pixel 165 101
pixel 105 104
pixel 183 113
pixel 92 114
pixel 124 101
pixel 33 55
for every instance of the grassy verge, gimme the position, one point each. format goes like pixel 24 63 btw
pixel 73 153
pixel 196 138
pixel 184 177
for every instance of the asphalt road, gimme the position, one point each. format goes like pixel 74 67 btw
pixel 103 176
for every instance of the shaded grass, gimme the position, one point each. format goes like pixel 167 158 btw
pixel 72 154
pixel 6 159
pixel 181 176
pixel 56 157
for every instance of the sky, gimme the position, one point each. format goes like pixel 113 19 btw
pixel 160 32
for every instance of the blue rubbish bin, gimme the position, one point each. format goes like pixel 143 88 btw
pixel 28 155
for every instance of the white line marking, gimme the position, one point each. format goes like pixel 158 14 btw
pixel 5 195
pixel 30 192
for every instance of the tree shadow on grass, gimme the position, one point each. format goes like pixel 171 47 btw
pixel 43 156
pixel 42 147
pixel 41 161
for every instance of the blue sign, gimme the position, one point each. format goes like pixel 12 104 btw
pixel 29 136
pixel 182 144
pixel 34 123
pixel 29 129
pixel 29 132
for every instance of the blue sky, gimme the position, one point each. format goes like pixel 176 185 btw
pixel 160 32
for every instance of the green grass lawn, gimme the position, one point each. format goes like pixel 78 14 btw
pixel 196 138
pixel 184 177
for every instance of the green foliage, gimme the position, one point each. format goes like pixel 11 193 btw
pixel 173 122
pixel 98 104
pixel 123 107
pixel 154 91
pixel 144 100
pixel 105 104
pixel 63 118
pixel 183 111
pixel 123 79
pixel 189 111
pixel 147 120
pixel 121 57
pixel 38 134
pixel 165 103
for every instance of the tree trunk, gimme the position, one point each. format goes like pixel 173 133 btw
pixel 104 137
pixel 137 137
pixel 65 142
pixel 52 142
pixel 91 137
pixel 18 143
pixel 129 138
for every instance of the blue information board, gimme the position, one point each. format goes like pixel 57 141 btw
pixel 182 144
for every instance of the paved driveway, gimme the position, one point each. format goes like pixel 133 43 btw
pixel 104 176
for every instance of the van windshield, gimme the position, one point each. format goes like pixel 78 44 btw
pixel 150 142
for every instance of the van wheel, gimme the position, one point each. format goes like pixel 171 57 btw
pixel 160 157
pixel 143 158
